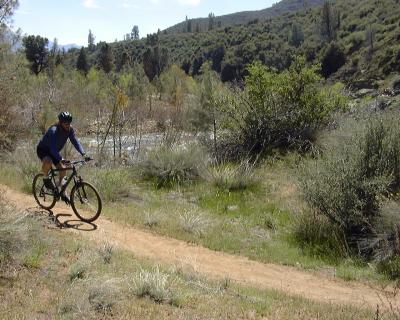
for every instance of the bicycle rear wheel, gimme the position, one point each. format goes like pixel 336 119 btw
pixel 43 196
pixel 86 202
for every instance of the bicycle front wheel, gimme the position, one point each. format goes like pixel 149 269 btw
pixel 86 202
pixel 43 196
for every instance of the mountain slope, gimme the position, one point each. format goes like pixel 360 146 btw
pixel 284 6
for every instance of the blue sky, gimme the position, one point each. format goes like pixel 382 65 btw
pixel 70 21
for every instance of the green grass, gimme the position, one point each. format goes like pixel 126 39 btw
pixel 256 222
pixel 130 288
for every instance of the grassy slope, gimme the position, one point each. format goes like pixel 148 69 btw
pixel 54 274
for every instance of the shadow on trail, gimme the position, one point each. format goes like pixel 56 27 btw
pixel 61 221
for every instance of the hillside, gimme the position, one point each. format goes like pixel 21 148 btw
pixel 244 17
pixel 363 43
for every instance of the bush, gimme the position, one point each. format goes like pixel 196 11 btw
pixel 27 164
pixel 153 284
pixel 231 177
pixel 13 230
pixel 333 58
pixel 112 183
pixel 318 237
pixel 390 267
pixel 193 222
pixel 275 111
pixel 347 185
pixel 170 165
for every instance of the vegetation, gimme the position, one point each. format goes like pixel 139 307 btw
pixel 239 138
pixel 127 286
pixel 349 184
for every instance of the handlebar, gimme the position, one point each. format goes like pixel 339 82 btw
pixel 73 163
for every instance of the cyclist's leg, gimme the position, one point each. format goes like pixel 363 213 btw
pixel 46 165
pixel 59 165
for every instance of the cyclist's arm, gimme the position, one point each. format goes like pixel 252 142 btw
pixel 76 143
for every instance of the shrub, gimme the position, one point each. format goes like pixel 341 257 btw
pixel 153 284
pixel 275 111
pixel 318 237
pixel 103 297
pixel 231 177
pixel 27 164
pixel 170 165
pixel 333 58
pixel 112 183
pixel 390 267
pixel 193 222
pixel 13 229
pixel 106 251
pixel 348 183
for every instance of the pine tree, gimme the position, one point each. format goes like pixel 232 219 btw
pixel 106 58
pixel 82 64
pixel 211 21
pixel 135 33
pixel 91 39
pixel 328 22
pixel 36 52
pixel 297 35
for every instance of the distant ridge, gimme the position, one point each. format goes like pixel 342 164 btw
pixel 244 17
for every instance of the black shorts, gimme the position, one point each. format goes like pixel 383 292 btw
pixel 42 153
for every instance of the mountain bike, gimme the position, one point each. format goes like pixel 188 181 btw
pixel 84 198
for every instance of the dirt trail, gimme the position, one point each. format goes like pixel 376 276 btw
pixel 214 264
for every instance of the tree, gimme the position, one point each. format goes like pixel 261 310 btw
pixel 155 58
pixel 329 21
pixel 52 60
pixel 188 25
pixel 36 52
pixel 123 60
pixel 82 64
pixel 211 21
pixel 135 33
pixel 7 8
pixel 297 35
pixel 91 38
pixel 106 58
pixel 333 58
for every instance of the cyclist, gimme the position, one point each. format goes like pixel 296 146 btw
pixel 49 147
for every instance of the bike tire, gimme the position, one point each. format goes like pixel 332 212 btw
pixel 40 194
pixel 81 204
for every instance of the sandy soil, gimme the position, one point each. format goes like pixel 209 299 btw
pixel 213 264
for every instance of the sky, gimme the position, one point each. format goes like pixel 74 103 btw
pixel 70 21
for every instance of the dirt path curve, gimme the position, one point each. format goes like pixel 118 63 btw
pixel 216 264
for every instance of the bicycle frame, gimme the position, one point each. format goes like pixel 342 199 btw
pixel 74 176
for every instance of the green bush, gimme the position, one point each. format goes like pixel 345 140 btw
pixel 347 185
pixel 112 183
pixel 231 177
pixel 170 165
pixel 275 111
pixel 390 267
pixel 318 237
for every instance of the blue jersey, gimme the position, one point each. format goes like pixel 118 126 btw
pixel 54 140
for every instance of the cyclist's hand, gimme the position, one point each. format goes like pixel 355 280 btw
pixel 87 158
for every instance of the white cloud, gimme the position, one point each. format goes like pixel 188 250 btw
pixel 90 4
pixel 190 2
pixel 155 1
pixel 129 4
